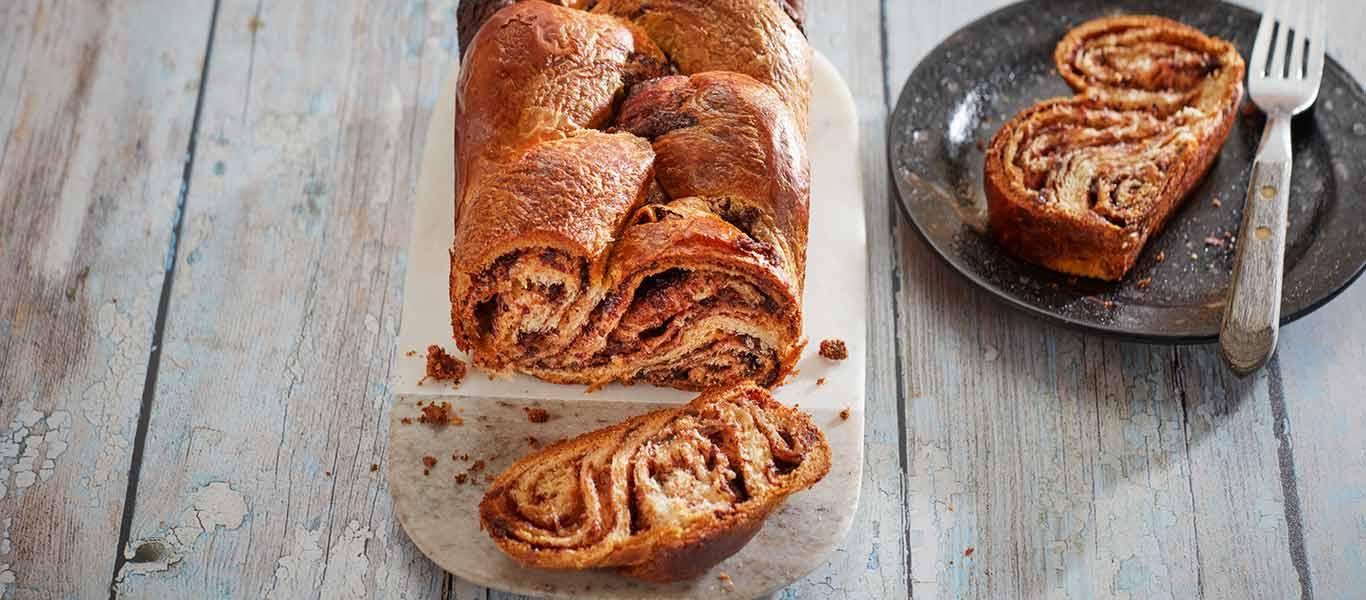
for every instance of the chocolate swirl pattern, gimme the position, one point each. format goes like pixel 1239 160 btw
pixel 616 221
pixel 661 497
pixel 1079 184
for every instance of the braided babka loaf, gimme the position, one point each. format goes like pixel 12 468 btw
pixel 661 497
pixel 631 191
pixel 1079 184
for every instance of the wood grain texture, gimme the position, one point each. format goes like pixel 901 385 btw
pixel 96 105
pixel 1322 418
pixel 1318 382
pixel 272 396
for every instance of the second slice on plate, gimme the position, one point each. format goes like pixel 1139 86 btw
pixel 1080 184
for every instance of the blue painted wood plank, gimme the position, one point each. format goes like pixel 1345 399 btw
pixel 96 104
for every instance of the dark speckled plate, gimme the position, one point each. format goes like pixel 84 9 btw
pixel 979 77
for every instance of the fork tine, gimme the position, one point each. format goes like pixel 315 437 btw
pixel 1318 44
pixel 1300 24
pixel 1278 49
pixel 1261 48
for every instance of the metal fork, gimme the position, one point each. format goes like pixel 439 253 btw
pixel 1281 88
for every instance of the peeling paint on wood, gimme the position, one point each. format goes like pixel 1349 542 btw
pixel 93 129
pixel 211 508
pixel 320 138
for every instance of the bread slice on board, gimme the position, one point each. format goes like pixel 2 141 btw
pixel 661 497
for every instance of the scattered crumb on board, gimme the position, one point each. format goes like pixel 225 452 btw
pixel 834 349
pixel 844 414
pixel 428 462
pixel 820 381
pixel 439 413
pixel 537 415
pixel 374 467
pixel 443 367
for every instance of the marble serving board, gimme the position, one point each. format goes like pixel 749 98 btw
pixel 441 515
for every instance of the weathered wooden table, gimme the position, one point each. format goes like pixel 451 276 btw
pixel 203 212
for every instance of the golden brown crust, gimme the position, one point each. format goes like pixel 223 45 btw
pixel 1079 184
pixel 668 249
pixel 726 138
pixel 663 496
pixel 758 38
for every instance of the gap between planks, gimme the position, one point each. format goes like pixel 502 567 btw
pixel 164 301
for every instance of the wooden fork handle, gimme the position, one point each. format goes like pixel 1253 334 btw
pixel 1252 315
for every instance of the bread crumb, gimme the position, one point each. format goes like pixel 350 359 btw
pixel 969 551
pixel 844 414
pixel 461 477
pixel 440 414
pixel 477 466
pixel 406 421
pixel 1217 203
pixel 1144 283
pixel 374 467
pixel 834 349
pixel 726 581
pixel 428 461
pixel 1161 255
pixel 444 367
pixel 410 353
pixel 327 473
pixel 820 381
pixel 537 415
pixel 533 442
